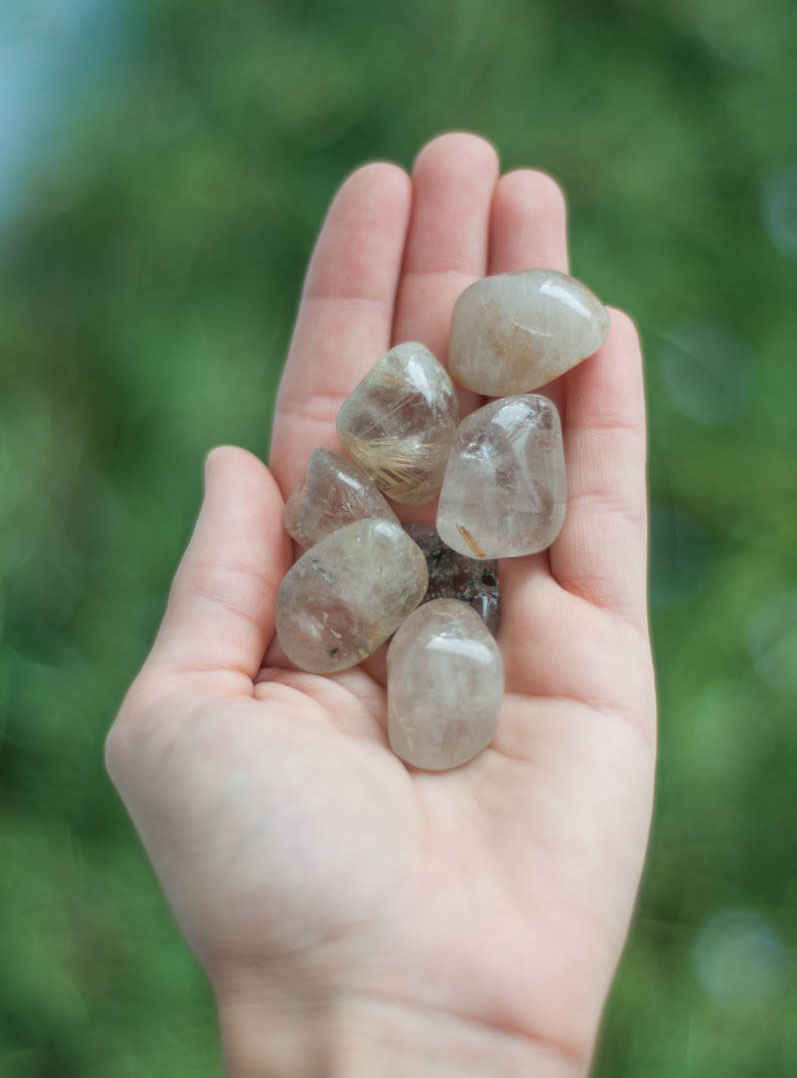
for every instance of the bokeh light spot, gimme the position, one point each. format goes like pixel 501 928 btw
pixel 739 960
pixel 745 32
pixel 779 209
pixel 707 372
pixel 772 643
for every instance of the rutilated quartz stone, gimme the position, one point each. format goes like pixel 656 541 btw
pixel 516 331
pixel 445 683
pixel 334 492
pixel 454 576
pixel 505 491
pixel 347 594
pixel 399 423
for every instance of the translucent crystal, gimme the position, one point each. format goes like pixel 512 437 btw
pixel 505 492
pixel 333 493
pixel 399 423
pixel 516 331
pixel 453 576
pixel 346 595
pixel 445 682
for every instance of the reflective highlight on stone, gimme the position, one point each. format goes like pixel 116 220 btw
pixel 348 594
pixel 505 491
pixel 516 331
pixel 453 576
pixel 399 423
pixel 333 493
pixel 445 682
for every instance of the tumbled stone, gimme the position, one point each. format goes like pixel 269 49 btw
pixel 505 490
pixel 453 576
pixel 445 682
pixel 333 493
pixel 516 331
pixel 399 423
pixel 347 594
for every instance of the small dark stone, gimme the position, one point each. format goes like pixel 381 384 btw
pixel 453 576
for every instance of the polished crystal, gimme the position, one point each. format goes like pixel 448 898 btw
pixel 517 331
pixel 445 683
pixel 454 576
pixel 399 423
pixel 505 491
pixel 347 594
pixel 334 492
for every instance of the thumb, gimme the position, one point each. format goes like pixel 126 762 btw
pixel 220 614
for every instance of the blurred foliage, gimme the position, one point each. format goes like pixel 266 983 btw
pixel 153 244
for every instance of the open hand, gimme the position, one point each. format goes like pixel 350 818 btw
pixel 357 916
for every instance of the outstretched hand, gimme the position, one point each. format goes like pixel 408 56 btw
pixel 357 916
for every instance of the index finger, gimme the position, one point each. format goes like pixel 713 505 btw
pixel 345 314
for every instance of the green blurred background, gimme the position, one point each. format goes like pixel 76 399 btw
pixel 164 167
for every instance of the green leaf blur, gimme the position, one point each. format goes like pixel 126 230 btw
pixel 153 235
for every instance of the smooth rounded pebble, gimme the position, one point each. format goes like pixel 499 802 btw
pixel 347 594
pixel 399 422
pixel 445 683
pixel 505 491
pixel 515 332
pixel 333 493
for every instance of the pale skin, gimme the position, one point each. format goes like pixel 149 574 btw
pixel 357 917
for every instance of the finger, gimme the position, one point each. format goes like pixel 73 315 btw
pixel 345 314
pixel 528 230
pixel 453 180
pixel 601 552
pixel 220 614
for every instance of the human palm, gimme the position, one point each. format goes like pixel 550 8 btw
pixel 313 872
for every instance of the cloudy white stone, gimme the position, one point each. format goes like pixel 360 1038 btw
pixel 445 684
pixel 515 332
pixel 333 493
pixel 347 594
pixel 504 493
pixel 399 422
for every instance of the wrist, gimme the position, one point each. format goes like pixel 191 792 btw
pixel 279 1032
